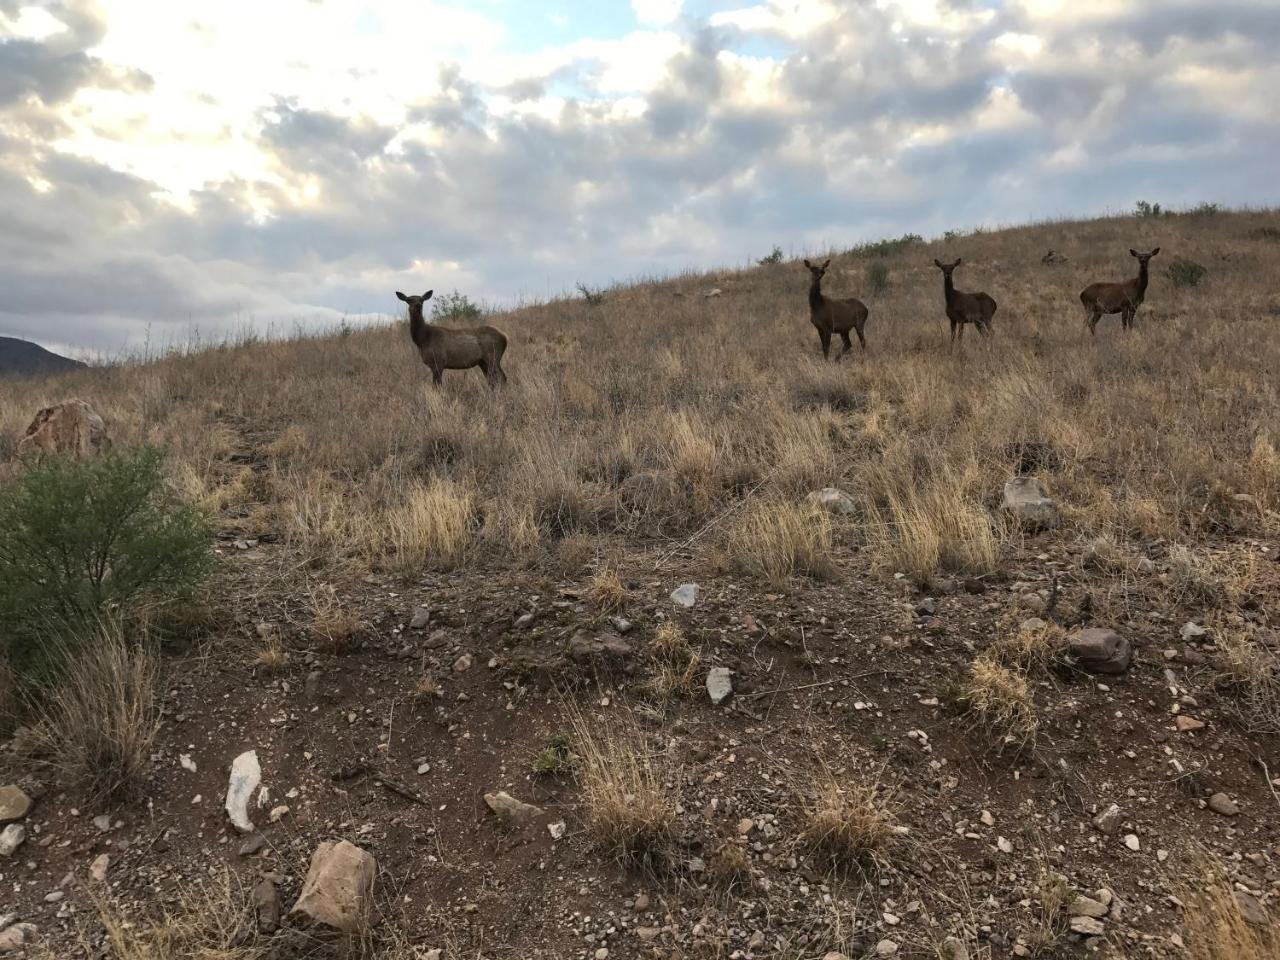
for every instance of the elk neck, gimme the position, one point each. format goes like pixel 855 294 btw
pixel 815 294
pixel 417 325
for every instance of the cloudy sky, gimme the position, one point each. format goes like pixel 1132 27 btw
pixel 181 167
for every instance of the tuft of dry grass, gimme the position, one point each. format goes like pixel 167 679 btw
pixel 1214 925
pixel 1030 647
pixel 776 540
pixel 337 626
pixel 850 824
pixel 272 656
pixel 1193 577
pixel 100 720
pixel 608 592
pixel 630 808
pixel 676 663
pixel 431 528
pixel 999 699
pixel 1251 678
pixel 730 864
pixel 1051 921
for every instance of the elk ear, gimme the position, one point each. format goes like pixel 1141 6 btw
pixel 808 264
pixel 938 263
pixel 1155 251
pixel 427 296
pixel 827 264
pixel 401 296
pixel 1133 252
pixel 956 264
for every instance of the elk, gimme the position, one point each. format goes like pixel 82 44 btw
pixel 1123 298
pixel 445 348
pixel 834 316
pixel 962 308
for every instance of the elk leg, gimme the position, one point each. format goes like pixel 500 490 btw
pixel 953 333
pixel 1092 320
pixel 848 344
pixel 437 376
pixel 826 344
pixel 861 339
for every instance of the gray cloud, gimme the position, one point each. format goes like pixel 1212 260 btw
pixel 876 131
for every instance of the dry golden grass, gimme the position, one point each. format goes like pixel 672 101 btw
pixel 271 656
pixel 999 700
pixel 1214 926
pixel 1026 648
pixel 99 722
pixel 850 824
pixel 1251 677
pixel 1167 432
pixel 335 625
pixel 629 805
pixel 608 592
pixel 775 540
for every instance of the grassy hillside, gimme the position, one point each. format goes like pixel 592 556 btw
pixel 425 596
pixel 355 461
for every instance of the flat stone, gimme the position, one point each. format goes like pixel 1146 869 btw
pixel 338 891
pixel 1222 804
pixel 510 810
pixel 1088 926
pixel 1186 724
pixel 953 948
pixel 1252 911
pixel 1026 501
pixel 14 938
pixel 886 948
pixel 1108 821
pixel 1132 842
pixel 719 684
pixel 1099 650
pixel 1086 907
pixel 685 595
pixel 421 617
pixel 14 803
pixel 252 844
pixel 463 663
pixel 98 869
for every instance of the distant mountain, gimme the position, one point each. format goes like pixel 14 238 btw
pixel 24 357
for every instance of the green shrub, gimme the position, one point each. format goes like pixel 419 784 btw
pixel 1147 210
pixel 775 256
pixel 889 246
pixel 593 295
pixel 1186 273
pixel 84 540
pixel 452 307
pixel 1203 210
pixel 877 276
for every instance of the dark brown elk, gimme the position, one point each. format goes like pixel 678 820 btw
pixel 1123 298
pixel 834 316
pixel 962 308
pixel 446 348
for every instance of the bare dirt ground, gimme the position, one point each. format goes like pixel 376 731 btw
pixel 856 643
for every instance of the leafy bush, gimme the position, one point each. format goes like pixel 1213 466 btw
pixel 775 256
pixel 84 539
pixel 878 276
pixel 593 295
pixel 1203 210
pixel 453 307
pixel 1186 273
pixel 888 247
pixel 1147 210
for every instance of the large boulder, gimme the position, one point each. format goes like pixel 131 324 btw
pixel 14 803
pixel 1027 502
pixel 72 427
pixel 338 891
pixel 1099 650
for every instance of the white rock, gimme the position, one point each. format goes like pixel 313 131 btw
pixel 246 775
pixel 1087 926
pixel 886 948
pixel 1132 842
pixel 719 684
pixel 338 891
pixel 833 501
pixel 1004 845
pixel 557 829
pixel 184 759
pixel 11 839
pixel 12 939
pixel 685 595
pixel 98 869
pixel 1025 499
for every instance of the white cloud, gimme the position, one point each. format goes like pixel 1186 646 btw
pixel 658 12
